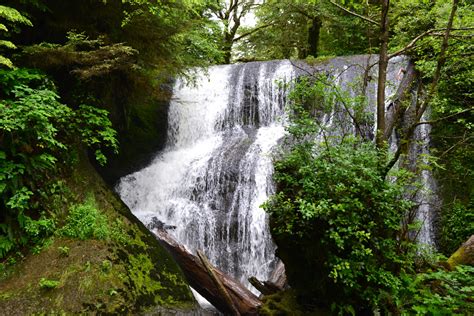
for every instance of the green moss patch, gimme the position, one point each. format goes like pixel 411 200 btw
pixel 117 267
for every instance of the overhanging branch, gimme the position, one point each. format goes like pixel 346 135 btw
pixel 367 19
pixel 252 31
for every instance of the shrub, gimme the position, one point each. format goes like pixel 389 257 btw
pixel 336 218
pixel 38 137
pixel 334 215
pixel 439 292
pixel 85 222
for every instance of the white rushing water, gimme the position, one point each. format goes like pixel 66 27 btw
pixel 216 169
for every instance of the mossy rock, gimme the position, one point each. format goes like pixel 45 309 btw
pixel 286 303
pixel 125 272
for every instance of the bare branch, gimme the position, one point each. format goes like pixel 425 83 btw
pixel 422 35
pixel 446 117
pixel 462 141
pixel 433 87
pixel 367 19
pixel 252 31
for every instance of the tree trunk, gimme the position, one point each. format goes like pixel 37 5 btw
pixel 313 36
pixel 432 91
pixel 203 281
pixel 402 98
pixel 383 63
pixel 227 47
pixel 464 255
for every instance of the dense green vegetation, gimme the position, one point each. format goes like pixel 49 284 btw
pixel 339 216
pixel 94 76
pixel 340 203
pixel 39 135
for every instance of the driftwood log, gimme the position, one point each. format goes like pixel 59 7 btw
pixel 223 292
pixel 276 283
pixel 464 254
pixel 265 287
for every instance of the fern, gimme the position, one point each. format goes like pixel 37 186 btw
pixel 6 62
pixel 12 16
pixel 7 44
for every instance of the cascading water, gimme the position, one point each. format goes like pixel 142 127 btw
pixel 216 170
pixel 217 166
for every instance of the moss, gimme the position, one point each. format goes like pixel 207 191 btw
pixel 139 268
pixel 127 272
pixel 286 303
pixel 456 258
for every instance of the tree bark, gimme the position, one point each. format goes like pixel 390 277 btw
pixel 198 276
pixel 382 79
pixel 313 36
pixel 398 106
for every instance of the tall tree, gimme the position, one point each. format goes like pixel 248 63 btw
pixel 231 13
pixel 298 29
pixel 384 57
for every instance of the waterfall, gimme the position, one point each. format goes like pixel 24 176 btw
pixel 217 166
pixel 216 169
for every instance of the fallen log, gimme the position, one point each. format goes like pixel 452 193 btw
pixel 244 302
pixel 217 282
pixel 276 283
pixel 278 276
pixel 464 255
pixel 265 287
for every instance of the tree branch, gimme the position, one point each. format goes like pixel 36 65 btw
pixel 433 87
pixel 422 35
pixel 354 14
pixel 252 31
pixel 446 117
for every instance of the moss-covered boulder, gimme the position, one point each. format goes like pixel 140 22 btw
pixel 464 254
pixel 101 260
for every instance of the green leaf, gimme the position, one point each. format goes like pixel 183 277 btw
pixel 6 62
pixel 13 15
pixel 7 44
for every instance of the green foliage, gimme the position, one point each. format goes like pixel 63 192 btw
pixel 85 222
pixel 439 292
pixel 343 217
pixel 334 213
pixel 299 28
pixel 64 251
pixel 452 130
pixel 180 32
pixel 9 16
pixel 48 284
pixel 457 225
pixel 38 137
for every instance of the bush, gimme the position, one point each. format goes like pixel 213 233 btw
pixel 457 225
pixel 85 222
pixel 334 215
pixel 336 218
pixel 439 292
pixel 38 138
